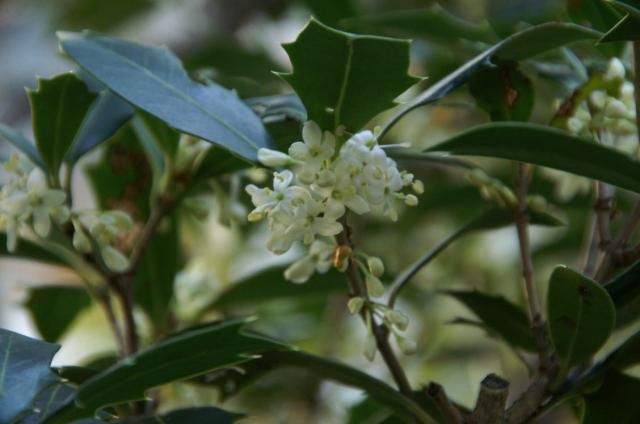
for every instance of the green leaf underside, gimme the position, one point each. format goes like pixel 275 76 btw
pixel 21 143
pixel 544 146
pixel 327 369
pixel 54 308
pixel 616 401
pixel 203 415
pixel 178 357
pixel 154 80
pixel 499 315
pixel 581 316
pixel 522 45
pixel 332 81
pixel 58 107
pixel 24 372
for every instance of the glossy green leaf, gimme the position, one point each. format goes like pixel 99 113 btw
pixel 507 320
pixel 343 66
pixel 581 316
pixel 327 369
pixel 178 357
pixel 106 115
pixel 58 108
pixel 54 308
pixel 519 46
pixel 624 290
pixel 18 141
pixel 433 23
pixel 503 91
pixel 597 13
pixel 24 372
pixel 548 147
pixel 206 414
pixel 627 354
pixel 46 402
pixel 332 11
pixel 270 284
pixel 154 80
pixel 616 401
pixel 628 28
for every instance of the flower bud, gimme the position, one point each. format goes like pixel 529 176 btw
pixel 411 200
pixel 374 286
pixel 507 196
pixel 478 177
pixel 575 125
pixel 355 305
pixel 300 271
pixel 370 347
pixel 417 186
pixel 615 71
pixel 598 99
pixel 616 109
pixel 396 318
pixel 273 158
pixel 80 240
pixel 114 259
pixel 376 266
pixel 537 203
pixel 406 345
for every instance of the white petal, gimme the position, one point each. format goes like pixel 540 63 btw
pixel 357 204
pixel 273 158
pixel 326 227
pixel 334 209
pixel 53 197
pixel 37 181
pixel 281 180
pixel 15 204
pixel 311 133
pixel 300 270
pixel 41 222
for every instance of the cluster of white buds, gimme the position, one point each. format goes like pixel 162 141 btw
pixel 493 190
pixel 395 321
pixel 28 202
pixel 97 230
pixel 608 119
pixel 325 180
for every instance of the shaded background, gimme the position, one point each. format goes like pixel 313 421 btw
pixel 237 44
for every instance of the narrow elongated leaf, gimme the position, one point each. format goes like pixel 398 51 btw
pixel 627 354
pixel 24 372
pixel 548 147
pixel 326 369
pixel 54 308
pixel 522 45
pixel 624 290
pixel 179 357
pixel 207 414
pixel 504 318
pixel 343 66
pixel 154 80
pixel 47 401
pixel 58 108
pixel 581 316
pixel 18 141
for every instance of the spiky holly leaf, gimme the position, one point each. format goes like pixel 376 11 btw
pixel 333 69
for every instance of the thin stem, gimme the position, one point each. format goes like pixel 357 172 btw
pixel 403 279
pixel 380 332
pixel 591 254
pixel 602 208
pixel 125 296
pixel 636 82
pixel 449 412
pixel 105 300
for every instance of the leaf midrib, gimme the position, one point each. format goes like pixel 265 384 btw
pixel 5 361
pixel 174 90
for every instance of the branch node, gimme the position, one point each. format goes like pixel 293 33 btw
pixel 490 406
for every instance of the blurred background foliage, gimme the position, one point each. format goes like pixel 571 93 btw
pixel 237 44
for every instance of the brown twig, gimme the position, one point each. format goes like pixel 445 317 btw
pixel 530 401
pixel 105 301
pixel 490 406
pixel 450 413
pixel 380 332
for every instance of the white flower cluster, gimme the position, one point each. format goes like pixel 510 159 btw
pixel 607 119
pixel 327 179
pixel 28 202
pixel 102 230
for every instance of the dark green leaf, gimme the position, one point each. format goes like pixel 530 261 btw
pixel 24 372
pixel 203 415
pixel 58 108
pixel 107 114
pixel 154 80
pixel 616 401
pixel 627 354
pixel 217 162
pixel 47 401
pixel 522 45
pixel 581 316
pixel 548 147
pixel 597 13
pixel 343 66
pixel 326 369
pixel 503 91
pixel 624 290
pixel 158 268
pixel 332 11
pixel 270 284
pixel 434 23
pixel 178 357
pixel 18 141
pixel 54 308
pixel 628 28
pixel 157 132
pixel 499 315
pixel 29 250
